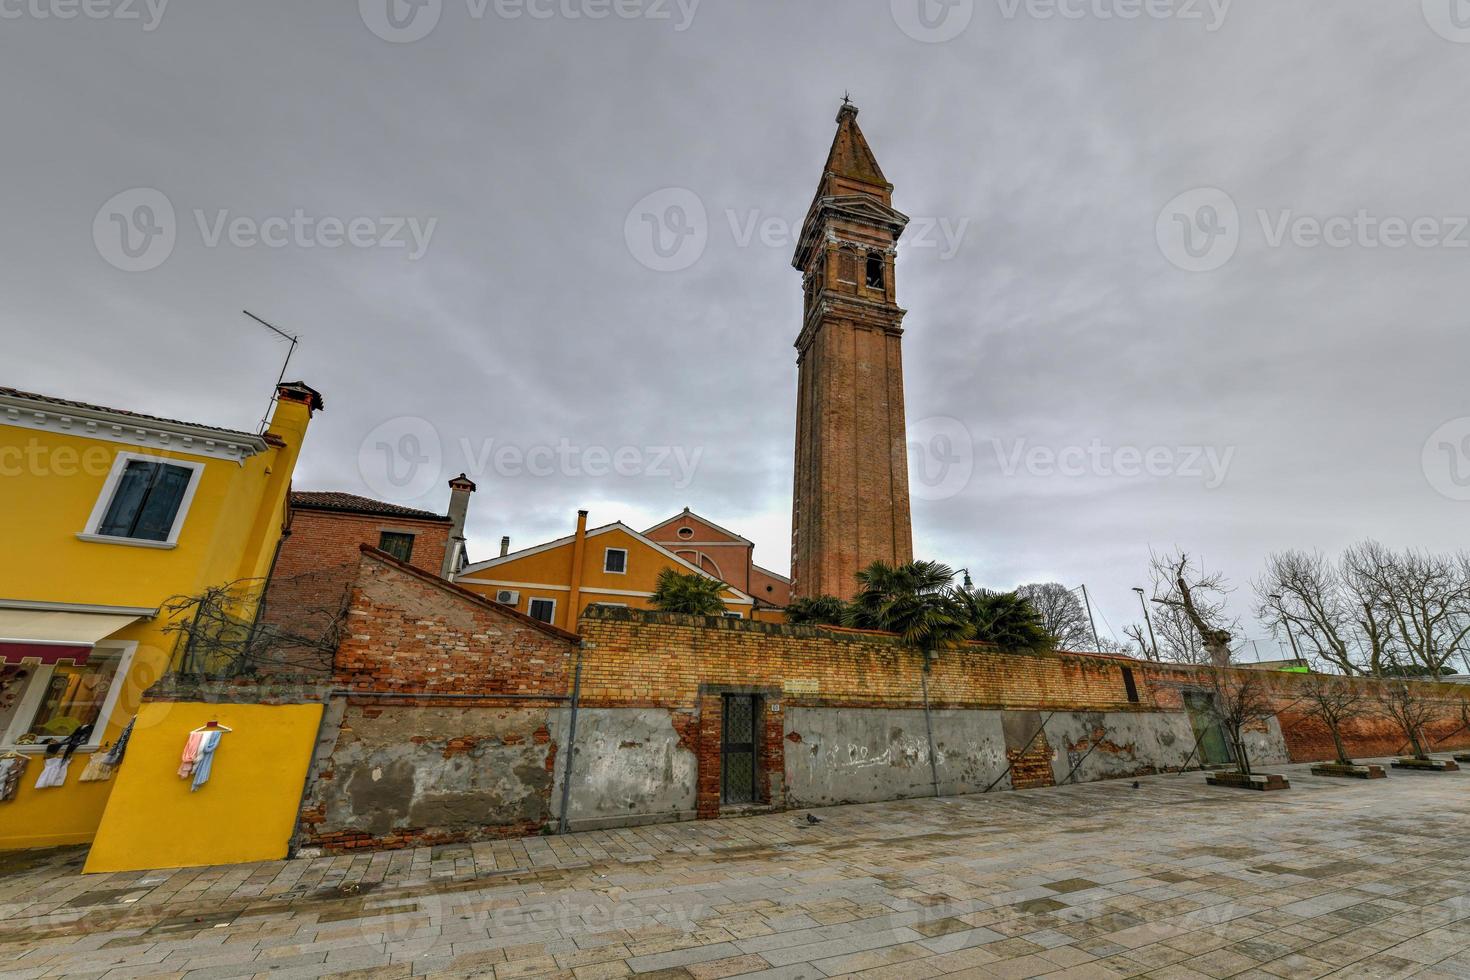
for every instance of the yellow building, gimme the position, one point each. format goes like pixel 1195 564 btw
pixel 109 514
pixel 611 565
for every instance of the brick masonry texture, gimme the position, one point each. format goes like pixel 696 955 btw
pixel 416 634
pixel 319 556
pixel 457 710
pixel 452 720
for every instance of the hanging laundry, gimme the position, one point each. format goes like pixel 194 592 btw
pixel 191 754
pixel 205 759
pixel 12 768
pixel 70 744
pixel 97 771
pixel 115 756
pixel 53 772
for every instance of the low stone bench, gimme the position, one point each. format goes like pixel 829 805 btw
pixel 1354 771
pixel 1426 765
pixel 1260 781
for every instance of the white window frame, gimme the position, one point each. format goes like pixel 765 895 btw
pixel 109 489
pixel 732 614
pixel 608 551
pixel 536 598
pixel 40 680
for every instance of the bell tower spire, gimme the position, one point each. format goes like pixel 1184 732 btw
pixel 850 503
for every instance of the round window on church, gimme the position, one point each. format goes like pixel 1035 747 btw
pixel 686 533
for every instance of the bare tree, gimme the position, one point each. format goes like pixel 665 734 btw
pixel 219 633
pixel 1177 639
pixel 1332 700
pixel 1240 700
pixel 1139 637
pixel 1062 614
pixel 1196 598
pixel 1305 596
pixel 1415 602
pixel 1409 704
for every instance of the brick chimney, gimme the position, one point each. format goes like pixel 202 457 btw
pixel 460 489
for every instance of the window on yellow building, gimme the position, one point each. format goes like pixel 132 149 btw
pixel 145 499
pixel 615 560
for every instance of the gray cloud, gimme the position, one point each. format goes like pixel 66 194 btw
pixel 1058 321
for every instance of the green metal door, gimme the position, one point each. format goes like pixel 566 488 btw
pixel 1213 750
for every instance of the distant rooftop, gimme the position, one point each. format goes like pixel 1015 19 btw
pixel 351 503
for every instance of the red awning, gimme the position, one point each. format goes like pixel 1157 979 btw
pixel 46 653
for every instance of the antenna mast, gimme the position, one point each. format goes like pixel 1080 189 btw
pixel 265 420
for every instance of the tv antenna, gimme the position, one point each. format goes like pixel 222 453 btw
pixel 265 420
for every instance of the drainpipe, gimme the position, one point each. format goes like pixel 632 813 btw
pixel 928 722
pixel 579 552
pixel 566 771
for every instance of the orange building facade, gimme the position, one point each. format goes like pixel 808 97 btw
pixel 611 565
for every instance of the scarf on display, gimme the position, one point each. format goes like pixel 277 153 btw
pixel 12 768
pixel 198 758
pixel 102 765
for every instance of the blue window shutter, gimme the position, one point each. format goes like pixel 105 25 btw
pixel 156 518
pixel 127 500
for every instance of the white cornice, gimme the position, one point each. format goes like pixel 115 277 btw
pixel 119 427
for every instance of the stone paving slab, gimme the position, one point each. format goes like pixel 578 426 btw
pixel 1173 879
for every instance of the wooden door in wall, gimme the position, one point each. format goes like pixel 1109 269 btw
pixel 737 749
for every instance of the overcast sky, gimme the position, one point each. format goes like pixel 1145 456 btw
pixel 1292 391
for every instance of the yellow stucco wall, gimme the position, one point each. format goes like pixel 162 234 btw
pixel 553 567
pixel 54 479
pixel 247 810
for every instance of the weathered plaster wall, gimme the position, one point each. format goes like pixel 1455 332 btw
pixel 1115 744
pixel 408 775
pixel 862 755
pixel 632 766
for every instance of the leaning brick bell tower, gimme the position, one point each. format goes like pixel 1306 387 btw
pixel 850 503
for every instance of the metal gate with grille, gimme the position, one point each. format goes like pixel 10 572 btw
pixel 737 749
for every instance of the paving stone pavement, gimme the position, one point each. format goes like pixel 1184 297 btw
pixel 1173 880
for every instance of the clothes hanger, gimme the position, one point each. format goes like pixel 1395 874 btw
pixel 211 726
pixel 12 754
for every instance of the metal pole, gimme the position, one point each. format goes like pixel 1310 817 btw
pixel 928 723
pixel 1096 643
pixel 1148 620
pixel 1285 621
pixel 566 773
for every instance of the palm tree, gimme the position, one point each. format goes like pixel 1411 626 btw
pixel 694 594
pixel 822 610
pixel 913 600
pixel 1005 619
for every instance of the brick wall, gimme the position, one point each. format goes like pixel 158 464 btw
pixel 452 712
pixel 634 658
pixel 640 658
pixel 318 562
pixel 457 710
pixel 410 632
